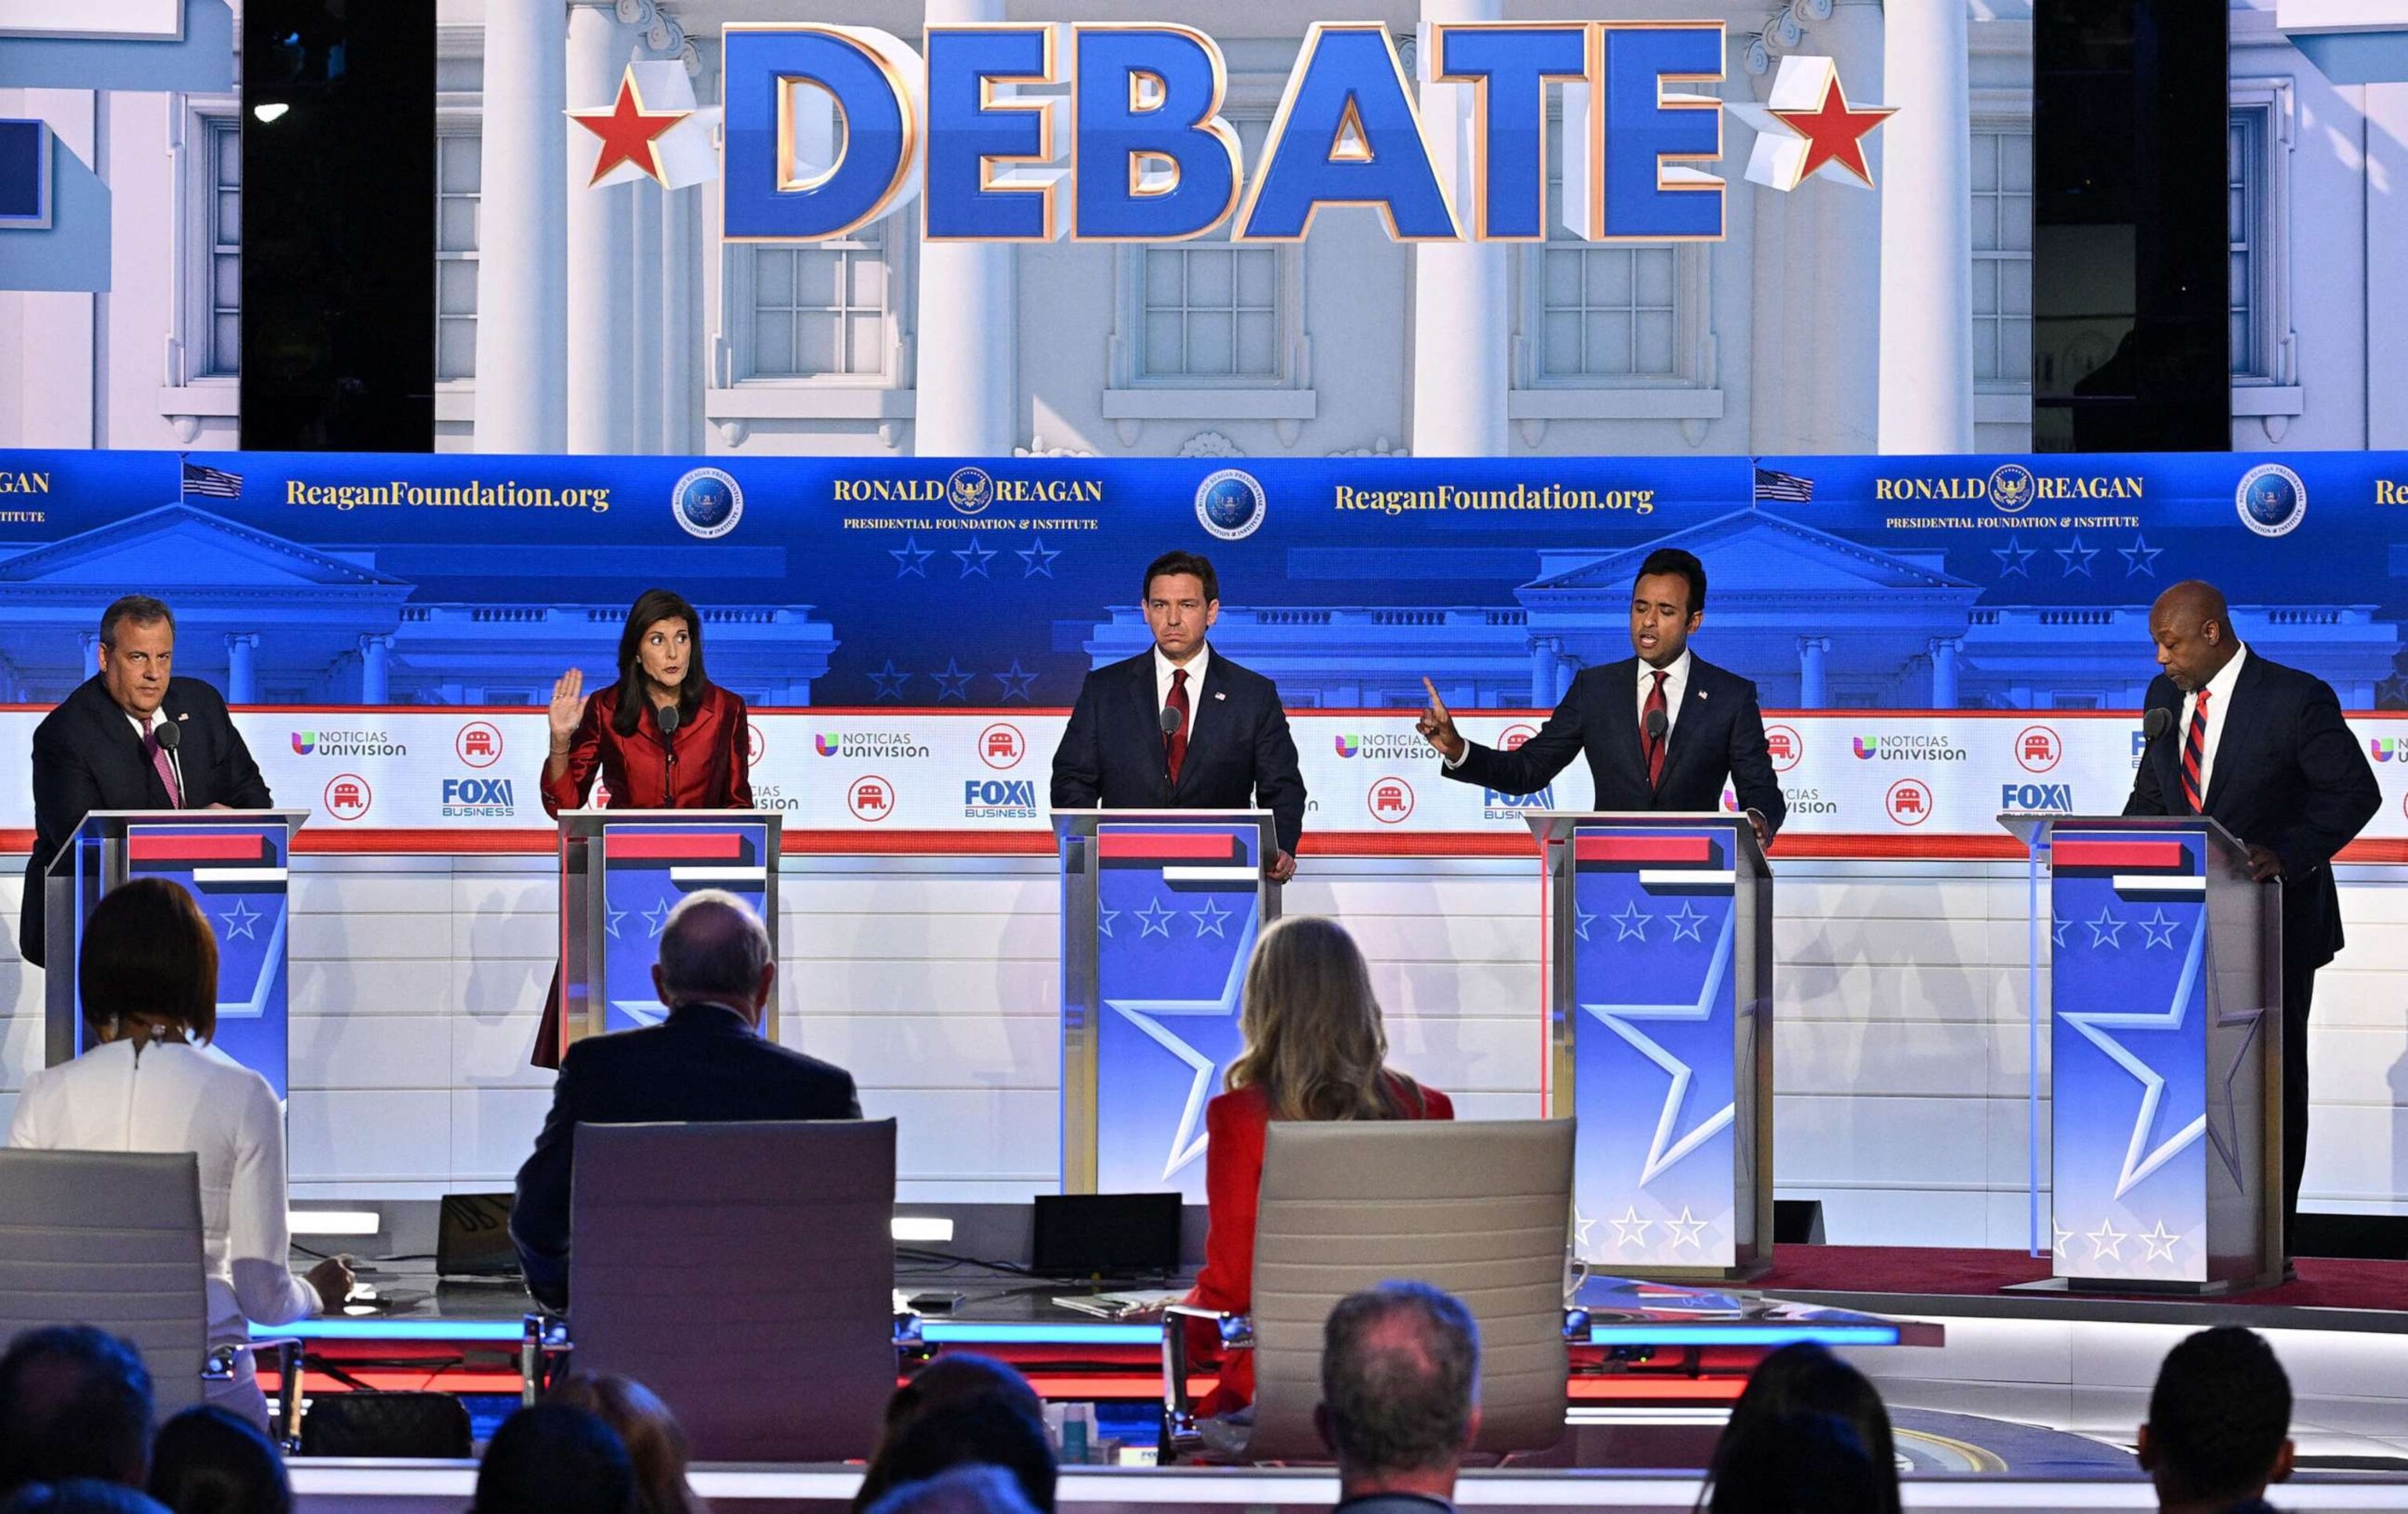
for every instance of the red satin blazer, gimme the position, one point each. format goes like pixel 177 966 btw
pixel 708 766
pixel 1234 1124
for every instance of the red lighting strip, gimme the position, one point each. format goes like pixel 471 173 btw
pixel 2127 856
pixel 1643 848
pixel 1165 846
pixel 238 846
pixel 725 847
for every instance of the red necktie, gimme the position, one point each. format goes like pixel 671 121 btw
pixel 2195 754
pixel 1655 748
pixel 1174 743
pixel 162 764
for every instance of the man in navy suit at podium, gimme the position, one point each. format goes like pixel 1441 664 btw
pixel 1178 727
pixel 2263 750
pixel 130 737
pixel 1662 730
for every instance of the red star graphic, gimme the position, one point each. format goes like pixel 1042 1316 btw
pixel 627 130
pixel 1834 133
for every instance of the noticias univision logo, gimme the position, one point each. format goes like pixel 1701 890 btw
pixel 1386 744
pixel 2384 748
pixel 1895 748
pixel 826 743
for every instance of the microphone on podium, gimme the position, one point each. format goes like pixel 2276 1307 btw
pixel 1170 722
pixel 2156 723
pixel 666 717
pixel 167 735
pixel 1658 724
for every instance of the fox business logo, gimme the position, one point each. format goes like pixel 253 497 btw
pixel 478 798
pixel 967 490
pixel 2008 488
pixel 2036 798
pixel 1512 807
pixel 896 744
pixel 1383 746
pixel 1901 749
pixel 999 799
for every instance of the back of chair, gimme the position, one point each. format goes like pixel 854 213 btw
pixel 112 1239
pixel 744 1272
pixel 1477 1208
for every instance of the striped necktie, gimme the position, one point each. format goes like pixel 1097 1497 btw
pixel 2195 755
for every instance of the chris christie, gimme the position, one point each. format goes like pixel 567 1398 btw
pixel 1179 727
pixel 1661 731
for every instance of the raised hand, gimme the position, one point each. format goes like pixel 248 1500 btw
pixel 567 707
pixel 1437 727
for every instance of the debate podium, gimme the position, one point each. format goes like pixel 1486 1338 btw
pixel 2166 1054
pixel 1659 1017
pixel 1160 913
pixel 622 871
pixel 235 865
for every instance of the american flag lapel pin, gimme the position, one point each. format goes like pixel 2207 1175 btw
pixel 1218 694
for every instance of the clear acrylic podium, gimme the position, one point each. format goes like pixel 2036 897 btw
pixel 2165 1053
pixel 234 863
pixel 1160 913
pixel 622 871
pixel 1659 1016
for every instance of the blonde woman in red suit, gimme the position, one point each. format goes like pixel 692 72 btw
pixel 1315 1050
pixel 700 759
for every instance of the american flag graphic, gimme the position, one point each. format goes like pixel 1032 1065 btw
pixel 1772 483
pixel 212 483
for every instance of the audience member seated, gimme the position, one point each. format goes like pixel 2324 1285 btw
pixel 987 1429
pixel 655 1442
pixel 555 1459
pixel 964 1490
pixel 79 1496
pixel 955 1378
pixel 151 1082
pixel 1399 1397
pixel 2219 1430
pixel 208 1460
pixel 1802 1405
pixel 1315 1048
pixel 75 1402
pixel 707 1062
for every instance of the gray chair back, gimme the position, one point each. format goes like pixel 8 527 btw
pixel 744 1272
pixel 112 1239
pixel 1477 1208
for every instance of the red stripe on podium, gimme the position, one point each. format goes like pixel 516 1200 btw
pixel 1166 846
pixel 1644 848
pixel 729 848
pixel 235 848
pixel 2126 855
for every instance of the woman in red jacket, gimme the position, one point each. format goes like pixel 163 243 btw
pixel 1315 1050
pixel 663 737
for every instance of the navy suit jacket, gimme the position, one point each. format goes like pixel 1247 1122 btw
pixel 87 757
pixel 702 1064
pixel 1243 756
pixel 2289 776
pixel 1719 735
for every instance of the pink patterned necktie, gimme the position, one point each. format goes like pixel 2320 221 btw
pixel 161 764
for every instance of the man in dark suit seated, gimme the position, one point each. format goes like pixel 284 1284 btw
pixel 705 1063
pixel 2263 750
pixel 1661 731
pixel 1179 727
pixel 104 747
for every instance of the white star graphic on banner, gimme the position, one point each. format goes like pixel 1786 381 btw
pixel 1154 920
pixel 1686 1231
pixel 239 921
pixel 1689 923
pixel 2093 1026
pixel 1187 1142
pixel 1664 1150
pixel 1631 921
pixel 1630 1230
pixel 1210 919
pixel 2159 1241
pixel 2107 1241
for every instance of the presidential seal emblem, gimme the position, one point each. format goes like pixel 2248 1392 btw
pixel 2271 500
pixel 1230 504
pixel 708 504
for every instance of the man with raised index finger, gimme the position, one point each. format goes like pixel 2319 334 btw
pixel 1662 730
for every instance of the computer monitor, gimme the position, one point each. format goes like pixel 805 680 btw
pixel 472 1237
pixel 1106 1235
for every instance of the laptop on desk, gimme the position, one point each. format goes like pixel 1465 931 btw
pixel 472 1240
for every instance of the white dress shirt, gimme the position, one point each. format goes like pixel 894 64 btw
pixel 176 1097
pixel 1196 664
pixel 1676 687
pixel 2220 704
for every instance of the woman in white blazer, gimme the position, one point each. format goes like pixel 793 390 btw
pixel 152 1082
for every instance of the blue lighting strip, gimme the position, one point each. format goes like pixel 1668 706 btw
pixel 973 1333
pixel 375 1329
pixel 1767 1336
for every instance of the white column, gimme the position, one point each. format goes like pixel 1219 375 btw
pixel 375 670
pixel 1542 671
pixel 1926 233
pixel 522 303
pixel 645 299
pixel 242 668
pixel 1812 690
pixel 2387 233
pixel 1944 654
pixel 601 251
pixel 681 327
pixel 1462 313
pixel 969 297
pixel 59 372
pixel 1843 309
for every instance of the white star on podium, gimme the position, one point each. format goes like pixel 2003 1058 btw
pixel 1154 920
pixel 239 921
pixel 1187 1142
pixel 1686 1231
pixel 2107 1241
pixel 1630 1230
pixel 2159 1241
pixel 1664 1150
pixel 2093 1026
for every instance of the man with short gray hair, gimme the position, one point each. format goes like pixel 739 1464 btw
pixel 1399 1397
pixel 705 1062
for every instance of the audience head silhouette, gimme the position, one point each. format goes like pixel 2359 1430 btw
pixel 1315 1043
pixel 988 1417
pixel 1399 1389
pixel 2219 1424
pixel 715 950
pixel 1802 1403
pixel 555 1459
pixel 80 1495
pixel 208 1460
pixel 75 1402
pixel 964 1490
pixel 655 1442
pixel 150 966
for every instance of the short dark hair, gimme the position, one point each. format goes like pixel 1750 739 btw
pixel 1399 1402
pixel 1801 1464
pixel 75 1402
pixel 140 608
pixel 1803 1380
pixel 556 1459
pixel 990 1429
pixel 82 1495
pixel 206 1460
pixel 1681 565
pixel 1193 563
pixel 2219 1415
pixel 147 951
